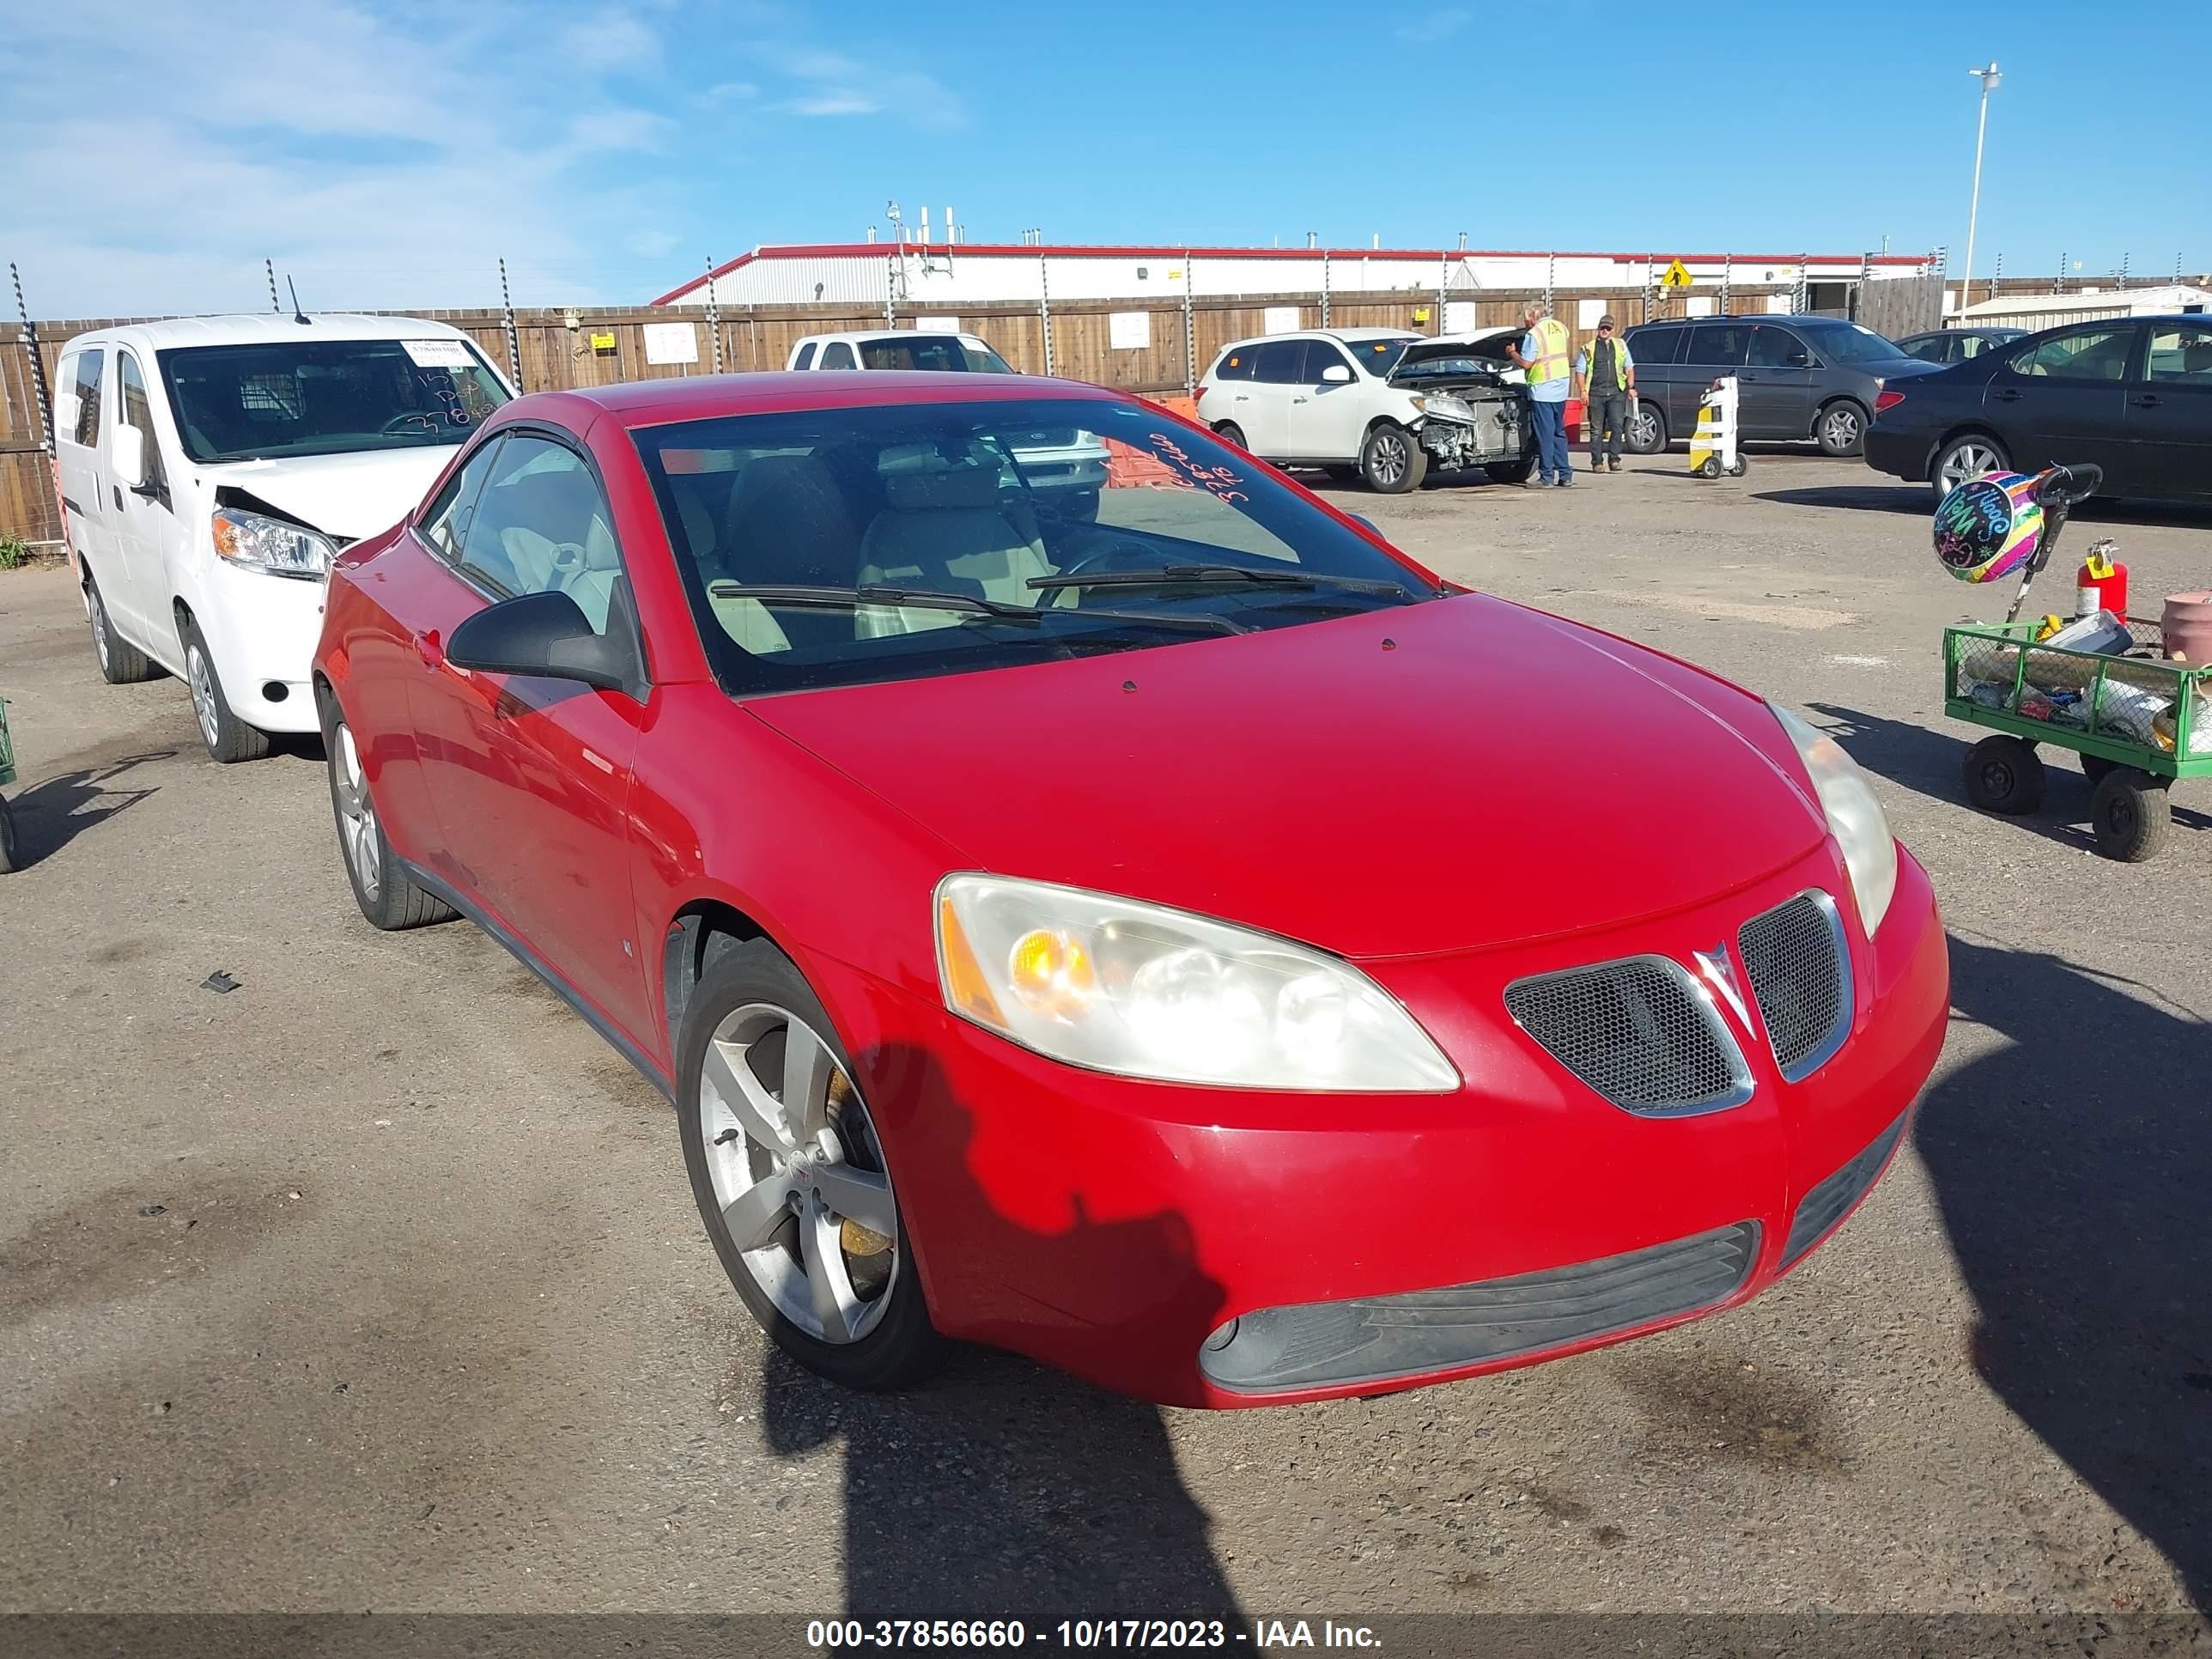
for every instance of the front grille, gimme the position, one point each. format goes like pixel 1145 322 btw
pixel 1824 1207
pixel 1801 973
pixel 1640 1031
pixel 1322 1344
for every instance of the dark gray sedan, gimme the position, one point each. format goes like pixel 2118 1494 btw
pixel 1956 345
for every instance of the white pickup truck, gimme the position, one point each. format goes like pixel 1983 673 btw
pixel 210 467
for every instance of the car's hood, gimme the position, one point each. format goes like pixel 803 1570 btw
pixel 349 495
pixel 1488 345
pixel 1453 775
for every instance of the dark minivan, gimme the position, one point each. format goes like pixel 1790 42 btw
pixel 1796 377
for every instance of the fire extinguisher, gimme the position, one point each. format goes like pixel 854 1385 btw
pixel 2102 584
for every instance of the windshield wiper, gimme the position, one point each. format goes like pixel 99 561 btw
pixel 1220 575
pixel 925 598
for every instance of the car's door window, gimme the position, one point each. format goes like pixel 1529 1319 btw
pixel 1276 362
pixel 446 525
pixel 806 357
pixel 2181 356
pixel 1773 347
pixel 542 524
pixel 1321 356
pixel 89 366
pixel 838 355
pixel 1717 345
pixel 1655 346
pixel 1234 365
pixel 132 408
pixel 2097 354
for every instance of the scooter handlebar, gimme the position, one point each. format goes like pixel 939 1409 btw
pixel 2066 486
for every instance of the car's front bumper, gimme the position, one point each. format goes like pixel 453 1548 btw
pixel 1115 1228
pixel 261 630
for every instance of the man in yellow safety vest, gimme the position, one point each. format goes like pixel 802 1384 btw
pixel 1542 355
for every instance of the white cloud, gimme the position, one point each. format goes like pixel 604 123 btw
pixel 835 84
pixel 838 101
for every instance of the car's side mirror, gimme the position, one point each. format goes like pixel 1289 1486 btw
pixel 547 636
pixel 128 458
pixel 1798 360
pixel 1336 375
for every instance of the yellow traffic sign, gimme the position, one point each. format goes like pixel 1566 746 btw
pixel 1677 275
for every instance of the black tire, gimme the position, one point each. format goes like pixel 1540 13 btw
pixel 10 852
pixel 1710 467
pixel 228 739
pixel 1392 460
pixel 1647 429
pixel 1840 428
pixel 1229 433
pixel 1511 472
pixel 121 662
pixel 1999 461
pixel 2004 775
pixel 1345 474
pixel 903 1348
pixel 1739 467
pixel 2095 767
pixel 2130 815
pixel 387 896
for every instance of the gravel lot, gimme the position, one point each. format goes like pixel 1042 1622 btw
pixel 377 1283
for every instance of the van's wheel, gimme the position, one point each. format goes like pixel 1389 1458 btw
pixel 1841 428
pixel 2130 815
pixel 388 896
pixel 1229 433
pixel 121 662
pixel 2004 775
pixel 1647 429
pixel 1392 459
pixel 1966 457
pixel 228 739
pixel 791 1177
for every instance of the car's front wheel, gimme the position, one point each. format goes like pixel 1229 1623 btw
pixel 388 896
pixel 1841 428
pixel 1647 429
pixel 228 739
pixel 1392 459
pixel 791 1177
pixel 1966 457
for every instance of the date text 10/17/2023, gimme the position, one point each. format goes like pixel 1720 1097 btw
pixel 1266 1635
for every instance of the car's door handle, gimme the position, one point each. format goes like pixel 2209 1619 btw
pixel 1297 400
pixel 2146 400
pixel 117 489
pixel 2005 395
pixel 429 650
pixel 1746 378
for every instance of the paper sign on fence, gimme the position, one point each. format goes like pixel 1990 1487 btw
pixel 1280 320
pixel 1129 330
pixel 671 342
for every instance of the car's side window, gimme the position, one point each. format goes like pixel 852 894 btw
pixel 1276 362
pixel 446 525
pixel 1654 347
pixel 1772 348
pixel 838 355
pixel 1235 365
pixel 1719 345
pixel 806 357
pixel 133 410
pixel 2182 356
pixel 542 524
pixel 1321 356
pixel 89 366
pixel 2097 354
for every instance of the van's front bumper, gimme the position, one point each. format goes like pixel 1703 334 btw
pixel 261 631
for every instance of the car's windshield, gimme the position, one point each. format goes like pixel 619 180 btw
pixel 990 502
pixel 1847 343
pixel 943 352
pixel 1378 357
pixel 241 403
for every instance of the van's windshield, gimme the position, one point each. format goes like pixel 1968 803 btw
pixel 242 402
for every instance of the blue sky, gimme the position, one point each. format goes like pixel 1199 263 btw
pixel 388 154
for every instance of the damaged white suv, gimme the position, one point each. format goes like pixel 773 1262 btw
pixel 1374 403
pixel 211 466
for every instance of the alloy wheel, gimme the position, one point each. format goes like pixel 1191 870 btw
pixel 1967 461
pixel 1843 427
pixel 357 830
pixel 99 628
pixel 202 675
pixel 798 1174
pixel 1642 431
pixel 1389 457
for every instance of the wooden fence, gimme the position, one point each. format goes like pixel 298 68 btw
pixel 561 348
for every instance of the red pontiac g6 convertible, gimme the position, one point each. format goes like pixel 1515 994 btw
pixel 1086 895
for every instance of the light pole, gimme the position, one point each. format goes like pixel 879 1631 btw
pixel 1989 78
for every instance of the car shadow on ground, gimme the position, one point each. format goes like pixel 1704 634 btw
pixel 52 814
pixel 1930 763
pixel 1001 1487
pixel 2072 1168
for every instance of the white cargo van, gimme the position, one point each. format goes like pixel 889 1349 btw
pixel 210 467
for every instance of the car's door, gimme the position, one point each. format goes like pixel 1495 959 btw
pixel 2169 419
pixel 1276 366
pixel 1775 384
pixel 145 517
pixel 1714 350
pixel 2063 400
pixel 1329 418
pixel 529 778
pixel 91 515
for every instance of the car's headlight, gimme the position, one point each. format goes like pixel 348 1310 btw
pixel 270 545
pixel 1148 992
pixel 1855 816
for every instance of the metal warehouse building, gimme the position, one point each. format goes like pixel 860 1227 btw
pixel 911 275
